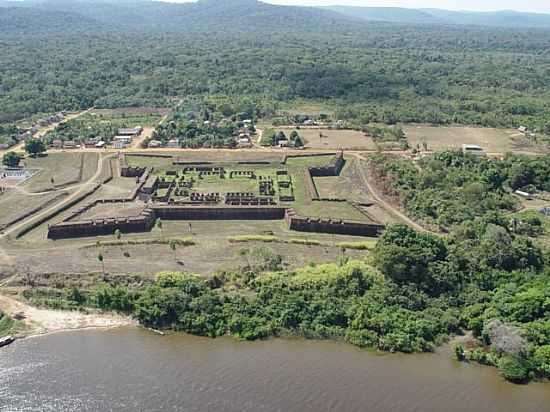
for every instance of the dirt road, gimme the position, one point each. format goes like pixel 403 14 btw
pixel 81 187
pixel 378 197
pixel 19 147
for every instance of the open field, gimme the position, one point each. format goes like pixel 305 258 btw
pixel 15 205
pixel 65 169
pixel 331 138
pixel 308 109
pixel 212 252
pixel 107 210
pixel 491 140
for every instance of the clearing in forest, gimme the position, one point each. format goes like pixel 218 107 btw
pixel 490 139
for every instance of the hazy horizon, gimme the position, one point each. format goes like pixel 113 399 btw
pixel 532 6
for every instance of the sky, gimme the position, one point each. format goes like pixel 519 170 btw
pixel 536 6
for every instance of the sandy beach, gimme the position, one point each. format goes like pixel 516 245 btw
pixel 43 321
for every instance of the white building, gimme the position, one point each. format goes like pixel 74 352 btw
pixel 121 142
pixel 173 143
pixel 154 143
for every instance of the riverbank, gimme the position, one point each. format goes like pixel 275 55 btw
pixel 44 321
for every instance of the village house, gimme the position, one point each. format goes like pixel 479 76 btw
pixel 57 144
pixel 243 141
pixel 173 143
pixel 154 144
pixel 91 143
pixel 69 144
pixel 122 141
pixel 135 131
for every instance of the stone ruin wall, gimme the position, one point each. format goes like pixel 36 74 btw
pixel 168 212
pixel 332 169
pixel 146 220
pixel 98 227
pixel 333 226
pixel 127 170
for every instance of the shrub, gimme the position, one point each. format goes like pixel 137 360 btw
pixel 514 369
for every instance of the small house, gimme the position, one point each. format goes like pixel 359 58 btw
pixel 69 144
pixel 123 141
pixel 57 144
pixel 135 131
pixel 173 143
pixel 522 129
pixel 154 144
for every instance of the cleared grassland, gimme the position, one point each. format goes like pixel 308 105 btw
pixel 111 210
pixel 308 109
pixel 491 140
pixel 213 250
pixel 332 138
pixel 64 168
pixel 14 205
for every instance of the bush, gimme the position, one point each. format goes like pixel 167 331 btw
pixel 541 360
pixel 514 369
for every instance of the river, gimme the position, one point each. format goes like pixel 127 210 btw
pixel 131 369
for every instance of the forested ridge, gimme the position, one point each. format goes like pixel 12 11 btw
pixel 367 72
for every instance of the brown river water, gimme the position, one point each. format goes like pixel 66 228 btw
pixel 131 369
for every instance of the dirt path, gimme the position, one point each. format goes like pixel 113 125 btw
pixel 403 217
pixel 82 186
pixel 40 321
pixel 147 133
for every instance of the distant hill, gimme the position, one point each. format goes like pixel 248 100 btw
pixel 15 21
pixel 204 15
pixel 438 16
pixel 506 18
pixel 388 14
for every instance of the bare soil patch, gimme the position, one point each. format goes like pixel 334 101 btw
pixel 490 139
pixel 324 138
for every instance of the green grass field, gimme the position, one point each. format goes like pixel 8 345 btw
pixel 64 168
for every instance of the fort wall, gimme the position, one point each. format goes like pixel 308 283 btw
pixel 333 226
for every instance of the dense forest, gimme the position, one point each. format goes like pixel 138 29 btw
pixel 365 72
pixel 449 188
